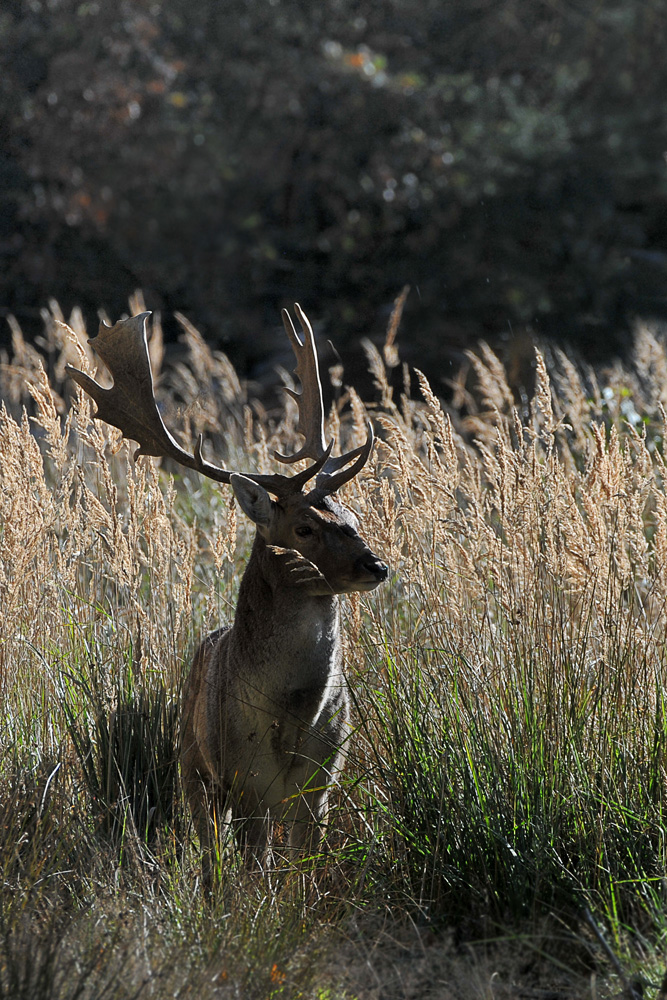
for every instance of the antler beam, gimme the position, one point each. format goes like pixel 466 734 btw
pixel 130 405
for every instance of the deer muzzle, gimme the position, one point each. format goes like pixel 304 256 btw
pixel 374 568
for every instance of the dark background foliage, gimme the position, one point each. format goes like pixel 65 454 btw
pixel 506 159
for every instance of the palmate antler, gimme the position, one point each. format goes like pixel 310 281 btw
pixel 130 406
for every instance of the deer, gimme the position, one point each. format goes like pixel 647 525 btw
pixel 265 712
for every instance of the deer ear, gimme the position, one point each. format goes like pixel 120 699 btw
pixel 254 501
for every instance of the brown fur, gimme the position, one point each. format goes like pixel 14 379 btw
pixel 265 712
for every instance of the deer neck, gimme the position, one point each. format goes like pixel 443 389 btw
pixel 270 587
pixel 279 625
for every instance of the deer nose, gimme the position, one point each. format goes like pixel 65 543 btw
pixel 374 566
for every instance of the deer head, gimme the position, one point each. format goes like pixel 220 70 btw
pixel 310 520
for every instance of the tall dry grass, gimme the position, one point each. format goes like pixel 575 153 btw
pixel 507 772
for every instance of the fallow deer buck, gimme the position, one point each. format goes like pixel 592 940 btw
pixel 265 708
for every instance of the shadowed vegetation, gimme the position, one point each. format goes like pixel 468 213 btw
pixel 505 159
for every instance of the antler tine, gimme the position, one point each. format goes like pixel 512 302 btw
pixel 334 474
pixel 309 400
pixel 130 403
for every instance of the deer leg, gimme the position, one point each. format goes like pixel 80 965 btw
pixel 309 808
pixel 207 805
pixel 305 824
pixel 210 817
pixel 253 839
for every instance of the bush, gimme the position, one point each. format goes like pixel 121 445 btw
pixel 505 160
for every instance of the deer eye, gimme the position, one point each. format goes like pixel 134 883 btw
pixel 303 531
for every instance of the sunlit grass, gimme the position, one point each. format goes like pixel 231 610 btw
pixel 506 776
